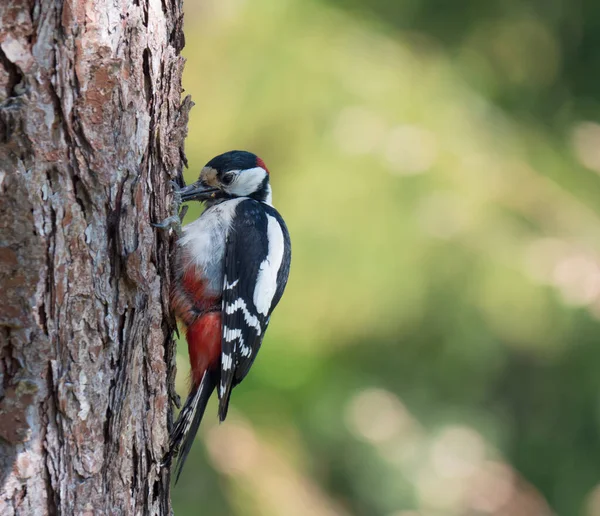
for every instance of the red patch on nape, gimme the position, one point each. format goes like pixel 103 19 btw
pixel 260 163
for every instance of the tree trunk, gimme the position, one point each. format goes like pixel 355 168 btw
pixel 91 130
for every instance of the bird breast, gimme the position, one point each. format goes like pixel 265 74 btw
pixel 202 244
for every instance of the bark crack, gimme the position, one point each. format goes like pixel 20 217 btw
pixel 15 76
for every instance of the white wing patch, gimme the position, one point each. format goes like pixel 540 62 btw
pixel 232 334
pixel 227 361
pixel 266 284
pixel 251 320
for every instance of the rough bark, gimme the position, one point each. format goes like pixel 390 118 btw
pixel 91 130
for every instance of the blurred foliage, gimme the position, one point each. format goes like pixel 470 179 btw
pixel 436 351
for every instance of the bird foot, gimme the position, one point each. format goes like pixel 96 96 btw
pixel 174 221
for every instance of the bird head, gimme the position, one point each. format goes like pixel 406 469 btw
pixel 230 175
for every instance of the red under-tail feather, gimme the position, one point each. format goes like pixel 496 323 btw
pixel 204 343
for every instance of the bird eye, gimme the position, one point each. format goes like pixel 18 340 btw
pixel 227 179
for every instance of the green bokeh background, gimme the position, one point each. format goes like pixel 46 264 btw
pixel 436 351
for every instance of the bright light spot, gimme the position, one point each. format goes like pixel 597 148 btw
pixel 593 502
pixel 233 448
pixel 439 493
pixel 441 215
pixel 457 453
pixel 541 257
pixel 377 415
pixel 261 470
pixel 578 278
pixel 575 273
pixel 491 488
pixel 404 450
pixel 410 150
pixel 586 144
pixel 294 498
pixel 358 130
pixel 213 12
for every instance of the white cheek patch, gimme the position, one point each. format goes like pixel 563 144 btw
pixel 247 181
pixel 266 283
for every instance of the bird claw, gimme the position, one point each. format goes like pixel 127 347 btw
pixel 174 221
pixel 176 195
pixel 182 213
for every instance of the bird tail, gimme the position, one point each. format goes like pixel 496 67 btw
pixel 187 424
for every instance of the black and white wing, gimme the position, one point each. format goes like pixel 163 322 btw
pixel 257 264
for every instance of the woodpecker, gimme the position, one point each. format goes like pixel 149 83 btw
pixel 231 266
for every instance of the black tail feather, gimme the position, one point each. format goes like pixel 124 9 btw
pixel 224 401
pixel 185 430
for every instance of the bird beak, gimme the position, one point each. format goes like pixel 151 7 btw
pixel 197 192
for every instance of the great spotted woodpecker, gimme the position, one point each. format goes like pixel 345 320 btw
pixel 231 267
